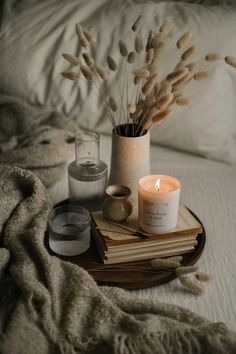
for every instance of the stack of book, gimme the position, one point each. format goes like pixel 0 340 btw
pixel 125 242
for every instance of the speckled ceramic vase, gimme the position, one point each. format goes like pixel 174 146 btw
pixel 130 161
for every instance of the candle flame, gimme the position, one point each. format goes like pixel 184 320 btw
pixel 157 185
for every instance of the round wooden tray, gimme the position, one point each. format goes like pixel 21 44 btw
pixel 130 275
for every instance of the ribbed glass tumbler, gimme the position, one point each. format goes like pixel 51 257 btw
pixel 69 230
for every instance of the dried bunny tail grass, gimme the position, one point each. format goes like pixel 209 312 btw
pixel 165 28
pixel 71 75
pixel 185 270
pixel 164 86
pixel 149 85
pixel 111 63
pixel 176 75
pixel 189 53
pixel 102 72
pixel 150 100
pixel 138 80
pixel 137 23
pixel 139 107
pixel 71 59
pixel 212 57
pixel 164 263
pixel 113 104
pixel 156 91
pixel 149 56
pixel 123 48
pixel 131 57
pixel 148 114
pixel 146 125
pixel 189 285
pixel 149 40
pixel 88 74
pixel 161 37
pixel 89 36
pixel 183 101
pixel 159 117
pixel 80 33
pixel 177 92
pixel 184 40
pixel 142 73
pixel 157 39
pixel 152 68
pixel 190 66
pixel 164 101
pixel 201 75
pixel 202 277
pixel 131 108
pixel 138 44
pixel 181 82
pixel 88 59
pixel 176 258
pixel 150 108
pixel 230 60
pixel 157 51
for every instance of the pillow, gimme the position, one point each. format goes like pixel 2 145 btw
pixel 31 60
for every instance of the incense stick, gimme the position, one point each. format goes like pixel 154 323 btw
pixel 131 232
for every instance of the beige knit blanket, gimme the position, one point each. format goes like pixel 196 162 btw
pixel 51 306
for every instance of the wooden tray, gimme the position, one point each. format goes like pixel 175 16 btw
pixel 130 275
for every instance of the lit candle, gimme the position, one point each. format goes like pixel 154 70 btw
pixel 158 203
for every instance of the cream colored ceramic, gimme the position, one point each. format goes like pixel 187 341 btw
pixel 130 161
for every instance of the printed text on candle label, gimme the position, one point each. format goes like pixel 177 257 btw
pixel 155 215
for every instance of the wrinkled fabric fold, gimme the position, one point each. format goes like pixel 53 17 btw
pixel 35 139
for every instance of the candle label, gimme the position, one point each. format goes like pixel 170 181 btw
pixel 155 214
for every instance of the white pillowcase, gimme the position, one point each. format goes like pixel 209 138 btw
pixel 32 44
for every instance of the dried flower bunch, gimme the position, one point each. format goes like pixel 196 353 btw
pixel 182 273
pixel 188 276
pixel 145 97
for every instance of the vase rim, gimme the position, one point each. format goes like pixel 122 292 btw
pixel 114 132
pixel 117 191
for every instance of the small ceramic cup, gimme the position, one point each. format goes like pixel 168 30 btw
pixel 116 206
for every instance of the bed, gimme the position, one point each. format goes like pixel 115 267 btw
pixel 197 144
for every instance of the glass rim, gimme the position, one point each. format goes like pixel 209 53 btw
pixel 65 209
pixel 89 136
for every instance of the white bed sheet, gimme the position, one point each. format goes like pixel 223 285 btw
pixel 208 189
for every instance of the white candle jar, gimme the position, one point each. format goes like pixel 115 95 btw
pixel 158 206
